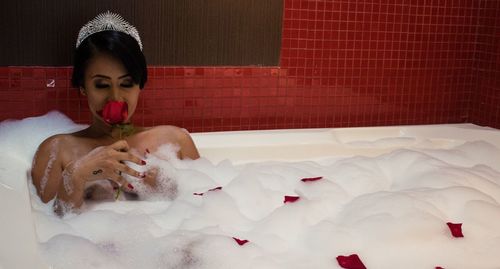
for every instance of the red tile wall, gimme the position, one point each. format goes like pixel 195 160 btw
pixel 343 63
pixel 486 104
pixel 382 62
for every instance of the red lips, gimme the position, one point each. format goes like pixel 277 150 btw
pixel 114 112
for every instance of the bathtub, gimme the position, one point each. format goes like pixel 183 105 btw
pixel 18 240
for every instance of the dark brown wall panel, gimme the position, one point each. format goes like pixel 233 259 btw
pixel 174 32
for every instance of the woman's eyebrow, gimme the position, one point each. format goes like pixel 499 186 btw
pixel 100 76
pixel 103 76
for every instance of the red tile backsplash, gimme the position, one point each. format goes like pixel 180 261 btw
pixel 486 104
pixel 343 63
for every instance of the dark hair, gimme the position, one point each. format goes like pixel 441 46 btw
pixel 116 44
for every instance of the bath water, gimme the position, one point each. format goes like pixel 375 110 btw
pixel 391 210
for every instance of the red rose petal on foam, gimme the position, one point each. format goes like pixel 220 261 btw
pixel 290 199
pixel 438 267
pixel 240 241
pixel 307 179
pixel 201 193
pixel 350 262
pixel 456 229
pixel 216 189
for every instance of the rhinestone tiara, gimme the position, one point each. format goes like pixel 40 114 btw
pixel 105 22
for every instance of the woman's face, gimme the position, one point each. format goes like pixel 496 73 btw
pixel 106 79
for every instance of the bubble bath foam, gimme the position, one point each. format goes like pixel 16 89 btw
pixel 379 197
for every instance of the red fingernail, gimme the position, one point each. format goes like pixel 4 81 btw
pixel 143 162
pixel 130 186
pixel 143 175
pixel 147 151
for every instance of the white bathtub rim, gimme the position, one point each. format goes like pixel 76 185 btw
pixel 316 144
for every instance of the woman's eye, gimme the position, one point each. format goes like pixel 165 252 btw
pixel 127 85
pixel 101 86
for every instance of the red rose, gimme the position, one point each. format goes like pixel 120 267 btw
pixel 114 112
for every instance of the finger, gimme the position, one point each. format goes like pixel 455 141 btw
pixel 120 145
pixel 127 156
pixel 116 176
pixel 127 170
pixel 122 182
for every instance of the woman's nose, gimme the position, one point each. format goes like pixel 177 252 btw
pixel 115 94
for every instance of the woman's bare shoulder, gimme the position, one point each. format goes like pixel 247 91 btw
pixel 178 136
pixel 63 139
pixel 54 141
pixel 57 144
pixel 169 131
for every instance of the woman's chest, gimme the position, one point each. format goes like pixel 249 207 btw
pixel 139 144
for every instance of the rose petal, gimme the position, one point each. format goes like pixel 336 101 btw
pixel 201 193
pixel 456 229
pixel 438 267
pixel 311 179
pixel 114 112
pixel 290 199
pixel 240 241
pixel 216 189
pixel 350 262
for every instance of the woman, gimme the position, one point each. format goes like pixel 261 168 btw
pixel 110 70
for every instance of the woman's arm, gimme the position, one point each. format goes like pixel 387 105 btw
pixel 54 177
pixel 47 168
pixel 188 148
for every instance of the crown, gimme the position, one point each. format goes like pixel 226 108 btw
pixel 105 22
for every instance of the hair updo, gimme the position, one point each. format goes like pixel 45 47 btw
pixel 119 45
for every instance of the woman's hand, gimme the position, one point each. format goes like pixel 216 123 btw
pixel 66 181
pixel 102 163
pixel 107 162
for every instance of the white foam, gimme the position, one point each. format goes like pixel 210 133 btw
pixel 48 169
pixel 390 209
pixel 22 137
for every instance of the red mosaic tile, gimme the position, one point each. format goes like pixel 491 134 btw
pixel 342 64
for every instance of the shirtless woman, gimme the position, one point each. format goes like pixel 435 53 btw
pixel 110 70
